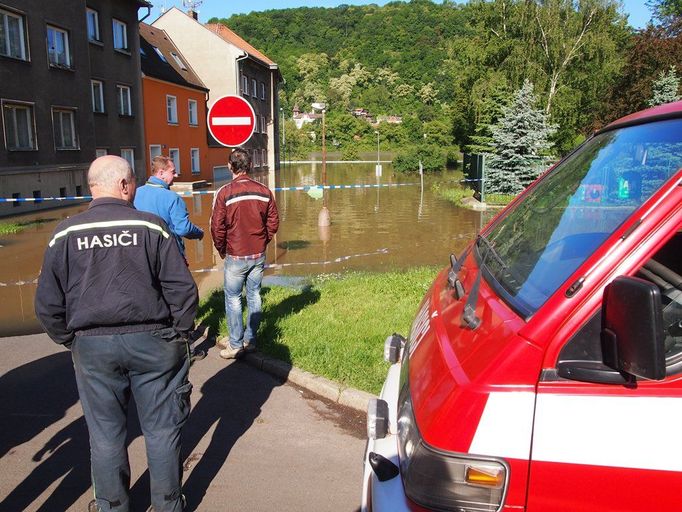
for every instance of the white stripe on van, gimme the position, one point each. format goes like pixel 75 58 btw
pixel 506 426
pixel 617 431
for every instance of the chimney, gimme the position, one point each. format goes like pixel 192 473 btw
pixel 194 14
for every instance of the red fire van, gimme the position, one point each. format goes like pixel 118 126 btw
pixel 543 371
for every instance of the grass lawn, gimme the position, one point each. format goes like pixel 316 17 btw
pixel 12 228
pixel 336 326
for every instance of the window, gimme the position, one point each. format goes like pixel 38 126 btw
pixel 62 191
pixel 194 158
pixel 129 156
pixel 58 52
pixel 174 154
pixel 256 158
pixel 154 150
pixel 264 156
pixel 100 152
pixel 12 38
pixel 97 89
pixel 263 126
pixel 254 88
pixel 262 91
pixel 64 124
pixel 19 126
pixel 92 18
pixel 161 55
pixel 79 190
pixel 120 35
pixel 123 93
pixel 245 85
pixel 172 109
pixel 178 60
pixel 193 116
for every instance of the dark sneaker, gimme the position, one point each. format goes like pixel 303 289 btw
pixel 197 355
pixel 231 353
pixel 249 347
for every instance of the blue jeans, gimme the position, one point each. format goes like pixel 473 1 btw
pixel 237 274
pixel 153 366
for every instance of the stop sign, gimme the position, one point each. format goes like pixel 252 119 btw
pixel 231 121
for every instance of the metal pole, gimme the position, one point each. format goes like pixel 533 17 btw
pixel 324 151
pixel 284 138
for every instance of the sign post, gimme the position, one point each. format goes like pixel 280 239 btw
pixel 231 121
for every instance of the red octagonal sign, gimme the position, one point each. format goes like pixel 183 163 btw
pixel 231 121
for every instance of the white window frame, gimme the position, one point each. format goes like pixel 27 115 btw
pixel 101 152
pixel 120 30
pixel 264 157
pixel 256 158
pixel 262 91
pixel 195 162
pixel 128 154
pixel 124 102
pixel 53 56
pixel 254 88
pixel 154 150
pixel 178 60
pixel 9 116
pixel 7 43
pixel 60 115
pixel 245 85
pixel 193 112
pixel 176 159
pixel 92 22
pixel 97 95
pixel 263 125
pixel 160 54
pixel 171 109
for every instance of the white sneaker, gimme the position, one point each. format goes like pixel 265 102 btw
pixel 231 353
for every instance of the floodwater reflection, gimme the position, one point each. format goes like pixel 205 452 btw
pixel 376 228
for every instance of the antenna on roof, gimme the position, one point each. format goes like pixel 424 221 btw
pixel 191 6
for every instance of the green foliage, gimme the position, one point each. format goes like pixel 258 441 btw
pixel 665 88
pixel 433 159
pixel 520 140
pixel 336 327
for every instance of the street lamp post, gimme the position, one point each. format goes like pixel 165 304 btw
pixel 284 138
pixel 378 166
pixel 323 218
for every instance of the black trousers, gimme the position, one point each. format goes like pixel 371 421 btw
pixel 154 366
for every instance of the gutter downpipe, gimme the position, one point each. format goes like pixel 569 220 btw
pixel 244 56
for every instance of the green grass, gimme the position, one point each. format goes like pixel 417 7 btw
pixel 453 194
pixel 12 228
pixel 335 327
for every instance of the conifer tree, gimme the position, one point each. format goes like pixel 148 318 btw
pixel 520 144
pixel 665 88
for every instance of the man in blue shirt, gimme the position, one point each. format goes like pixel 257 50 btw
pixel 156 197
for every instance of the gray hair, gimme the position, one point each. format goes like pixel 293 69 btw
pixel 106 171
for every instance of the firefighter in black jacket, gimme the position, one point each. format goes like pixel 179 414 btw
pixel 116 291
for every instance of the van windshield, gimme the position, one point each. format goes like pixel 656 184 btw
pixel 546 237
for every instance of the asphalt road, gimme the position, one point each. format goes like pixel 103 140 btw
pixel 252 443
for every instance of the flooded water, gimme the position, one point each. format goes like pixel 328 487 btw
pixel 379 228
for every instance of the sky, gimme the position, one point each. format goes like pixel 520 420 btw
pixel 638 12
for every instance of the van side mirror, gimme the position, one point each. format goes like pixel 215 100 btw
pixel 632 333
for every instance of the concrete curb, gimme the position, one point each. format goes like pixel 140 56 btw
pixel 350 397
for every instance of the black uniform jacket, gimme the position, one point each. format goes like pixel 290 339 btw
pixel 113 269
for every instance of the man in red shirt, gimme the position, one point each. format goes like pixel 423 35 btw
pixel 243 222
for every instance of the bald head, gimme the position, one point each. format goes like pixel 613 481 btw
pixel 111 176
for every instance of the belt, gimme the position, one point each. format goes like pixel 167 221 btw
pixel 248 257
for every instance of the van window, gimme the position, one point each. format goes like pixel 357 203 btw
pixel 532 251
pixel 664 270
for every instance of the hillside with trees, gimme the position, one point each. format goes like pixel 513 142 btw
pixel 450 69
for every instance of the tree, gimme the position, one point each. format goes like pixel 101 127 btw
pixel 520 139
pixel 665 88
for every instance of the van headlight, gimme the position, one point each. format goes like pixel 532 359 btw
pixel 445 480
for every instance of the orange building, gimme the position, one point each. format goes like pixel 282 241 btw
pixel 174 102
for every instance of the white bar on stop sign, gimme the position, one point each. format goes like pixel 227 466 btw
pixel 231 121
